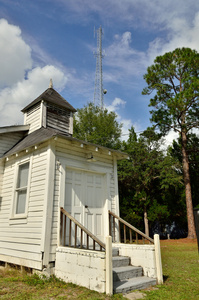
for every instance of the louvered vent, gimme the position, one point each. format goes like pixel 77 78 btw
pixel 58 118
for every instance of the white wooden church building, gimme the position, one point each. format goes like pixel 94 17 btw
pixel 42 169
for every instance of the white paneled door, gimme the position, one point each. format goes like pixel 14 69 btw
pixel 85 199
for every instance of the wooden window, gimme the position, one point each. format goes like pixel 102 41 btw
pixel 21 189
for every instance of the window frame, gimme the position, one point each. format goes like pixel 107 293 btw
pixel 16 189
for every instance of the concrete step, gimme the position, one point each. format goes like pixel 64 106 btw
pixel 122 273
pixel 120 261
pixel 115 251
pixel 137 283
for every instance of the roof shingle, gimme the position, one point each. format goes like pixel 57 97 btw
pixel 51 96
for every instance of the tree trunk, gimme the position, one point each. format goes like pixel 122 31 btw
pixel 187 183
pixel 146 223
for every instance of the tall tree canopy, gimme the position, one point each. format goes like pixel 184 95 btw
pixel 174 77
pixel 98 126
pixel 175 151
pixel 147 181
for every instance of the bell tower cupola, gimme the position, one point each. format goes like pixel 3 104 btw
pixel 51 110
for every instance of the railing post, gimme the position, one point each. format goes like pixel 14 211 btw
pixel 158 259
pixel 113 229
pixel 124 234
pixel 110 233
pixel 119 228
pixel 61 229
pixel 64 230
pixel 109 267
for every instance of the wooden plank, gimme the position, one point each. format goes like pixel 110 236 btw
pixel 124 233
pixel 132 227
pixel 17 230
pixel 130 233
pixel 83 228
pixel 19 235
pixel 64 231
pixel 26 241
pixel 70 228
pixel 119 231
pixel 61 228
pixel 114 229
pixel 75 235
pixel 110 233
pixel 20 254
pixel 81 242
pixel 22 261
pixel 20 247
pixel 136 238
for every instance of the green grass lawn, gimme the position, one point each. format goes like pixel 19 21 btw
pixel 180 262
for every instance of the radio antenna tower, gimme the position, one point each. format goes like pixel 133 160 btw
pixel 99 91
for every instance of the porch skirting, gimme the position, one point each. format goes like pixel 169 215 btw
pixel 82 267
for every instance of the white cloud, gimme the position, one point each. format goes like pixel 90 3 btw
pixel 146 14
pixel 115 105
pixel 15 56
pixel 121 56
pixel 181 33
pixel 21 83
pixel 168 140
pixel 118 104
pixel 15 98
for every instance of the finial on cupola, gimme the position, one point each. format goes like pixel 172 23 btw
pixel 51 84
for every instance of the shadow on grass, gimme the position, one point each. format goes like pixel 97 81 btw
pixel 165 277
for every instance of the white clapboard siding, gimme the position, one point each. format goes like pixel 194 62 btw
pixel 33 117
pixel 1 178
pixel 55 217
pixel 8 140
pixel 73 152
pixel 21 242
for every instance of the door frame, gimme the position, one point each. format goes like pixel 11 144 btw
pixel 65 163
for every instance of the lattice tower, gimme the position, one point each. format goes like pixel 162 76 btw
pixel 99 91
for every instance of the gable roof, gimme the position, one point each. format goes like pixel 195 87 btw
pixel 14 128
pixel 43 134
pixel 53 97
pixel 38 136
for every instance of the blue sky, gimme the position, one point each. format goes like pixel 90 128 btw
pixel 47 39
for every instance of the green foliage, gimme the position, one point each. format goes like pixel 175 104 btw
pixel 98 126
pixel 193 152
pixel 147 180
pixel 175 78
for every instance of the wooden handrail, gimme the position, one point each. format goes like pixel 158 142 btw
pixel 82 228
pixel 131 227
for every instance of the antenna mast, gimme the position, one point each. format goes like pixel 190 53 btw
pixel 99 91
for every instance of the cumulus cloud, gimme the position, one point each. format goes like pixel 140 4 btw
pixel 149 15
pixel 120 55
pixel 118 104
pixel 20 83
pixel 126 61
pixel 181 33
pixel 15 98
pixel 15 56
